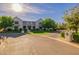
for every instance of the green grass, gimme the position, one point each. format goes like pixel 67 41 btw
pixel 38 32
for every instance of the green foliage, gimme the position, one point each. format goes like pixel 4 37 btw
pixel 38 31
pixel 71 18
pixel 25 30
pixel 20 29
pixel 76 37
pixel 16 28
pixel 48 23
pixel 61 26
pixel 63 34
pixel 9 30
pixel 5 22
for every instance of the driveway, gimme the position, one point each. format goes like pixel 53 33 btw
pixel 36 45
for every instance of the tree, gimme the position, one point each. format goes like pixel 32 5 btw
pixel 71 18
pixel 61 26
pixel 5 22
pixel 48 23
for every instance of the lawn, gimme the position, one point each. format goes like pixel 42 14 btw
pixel 39 32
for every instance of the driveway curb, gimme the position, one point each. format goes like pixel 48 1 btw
pixel 66 42
pixel 58 39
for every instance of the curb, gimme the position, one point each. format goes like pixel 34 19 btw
pixel 66 42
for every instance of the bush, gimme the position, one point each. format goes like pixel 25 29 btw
pixel 76 37
pixel 37 31
pixel 15 28
pixel 9 29
pixel 63 34
pixel 25 30
pixel 20 29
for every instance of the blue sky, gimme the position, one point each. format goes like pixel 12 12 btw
pixel 35 11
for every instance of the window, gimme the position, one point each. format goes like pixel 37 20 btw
pixel 16 22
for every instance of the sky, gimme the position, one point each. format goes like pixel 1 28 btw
pixel 35 11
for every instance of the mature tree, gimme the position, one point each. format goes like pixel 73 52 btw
pixel 5 22
pixel 48 23
pixel 71 18
pixel 61 26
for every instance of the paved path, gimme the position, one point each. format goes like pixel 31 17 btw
pixel 36 45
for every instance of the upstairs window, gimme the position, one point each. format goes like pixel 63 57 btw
pixel 16 22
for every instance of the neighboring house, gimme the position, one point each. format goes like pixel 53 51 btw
pixel 19 23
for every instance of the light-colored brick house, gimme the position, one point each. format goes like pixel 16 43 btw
pixel 19 23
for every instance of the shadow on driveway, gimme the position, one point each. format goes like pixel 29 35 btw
pixel 13 35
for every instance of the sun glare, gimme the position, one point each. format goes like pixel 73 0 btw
pixel 16 7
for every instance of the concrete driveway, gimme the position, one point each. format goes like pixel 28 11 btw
pixel 36 45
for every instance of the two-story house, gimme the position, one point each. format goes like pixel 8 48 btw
pixel 19 23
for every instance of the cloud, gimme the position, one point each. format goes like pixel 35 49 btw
pixel 30 12
pixel 32 9
pixel 27 8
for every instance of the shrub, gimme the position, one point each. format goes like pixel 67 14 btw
pixel 20 29
pixel 9 29
pixel 15 28
pixel 25 30
pixel 52 30
pixel 76 37
pixel 63 34
pixel 37 31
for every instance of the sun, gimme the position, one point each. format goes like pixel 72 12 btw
pixel 16 7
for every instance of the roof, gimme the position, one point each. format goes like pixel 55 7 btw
pixel 18 18
pixel 25 20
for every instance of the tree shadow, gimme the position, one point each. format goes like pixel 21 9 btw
pixel 13 35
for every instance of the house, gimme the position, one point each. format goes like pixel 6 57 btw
pixel 19 23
